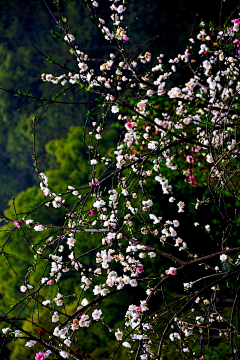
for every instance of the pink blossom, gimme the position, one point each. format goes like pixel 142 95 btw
pixel 190 159
pixel 193 183
pixel 172 271
pixel 142 104
pixel 235 21
pixel 40 356
pixel 138 309
pixel 50 282
pixel 128 126
pixel 196 149
pixel 191 177
pixel 125 38
pixel 236 41
pixel 46 191
pixel 140 269
pixel 90 213
pixel 94 182
pixel 189 171
pixel 16 223
pixel 186 53
pixel 178 240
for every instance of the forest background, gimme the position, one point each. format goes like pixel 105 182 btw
pixel 25 44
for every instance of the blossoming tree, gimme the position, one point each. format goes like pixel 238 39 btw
pixel 146 211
